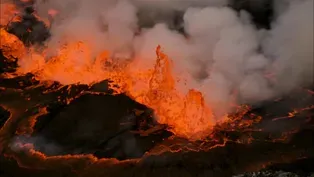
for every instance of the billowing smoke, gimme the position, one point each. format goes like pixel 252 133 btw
pixel 220 51
pixel 26 143
pixel 290 46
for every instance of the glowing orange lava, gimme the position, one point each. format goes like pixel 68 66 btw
pixel 8 13
pixel 186 115
pixel 12 48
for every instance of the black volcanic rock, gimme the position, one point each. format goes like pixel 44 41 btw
pixel 101 124
pixel 6 66
pixel 301 167
pixel 19 82
pixel 4 116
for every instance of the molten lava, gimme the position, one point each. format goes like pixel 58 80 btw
pixel 186 115
pixel 12 48
pixel 8 13
pixel 72 64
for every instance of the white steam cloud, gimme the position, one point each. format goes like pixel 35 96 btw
pixel 222 51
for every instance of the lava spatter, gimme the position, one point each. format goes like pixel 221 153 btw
pixel 11 47
pixel 186 115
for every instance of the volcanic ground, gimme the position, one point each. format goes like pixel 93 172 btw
pixel 49 129
pixel 81 130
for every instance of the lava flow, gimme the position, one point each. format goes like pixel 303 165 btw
pixel 187 115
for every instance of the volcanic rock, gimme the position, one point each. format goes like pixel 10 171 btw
pixel 101 124
pixel 4 116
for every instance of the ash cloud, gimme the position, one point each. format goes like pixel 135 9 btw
pixel 225 55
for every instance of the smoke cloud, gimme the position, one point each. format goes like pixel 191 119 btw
pixel 221 51
pixel 26 143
